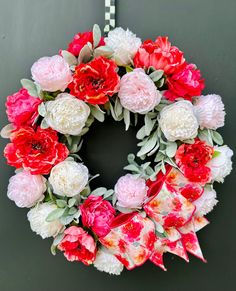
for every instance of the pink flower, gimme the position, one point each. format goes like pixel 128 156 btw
pixel 97 214
pixel 26 189
pixel 130 191
pixel 22 108
pixel 78 245
pixel 186 83
pixel 160 55
pixel 51 73
pixel 138 92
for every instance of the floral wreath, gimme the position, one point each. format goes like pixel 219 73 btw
pixel 157 207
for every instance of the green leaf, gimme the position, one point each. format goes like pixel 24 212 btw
pixel 150 144
pixel 72 211
pixel 108 193
pixel 30 87
pixel 127 119
pixel 149 124
pixel 69 58
pixel 131 158
pixel 141 133
pixel 61 203
pixel 154 149
pixel 171 149
pixel 42 109
pixel 99 191
pixel 58 239
pixel 124 210
pixel 104 51
pixel 55 214
pixel 98 114
pixel 156 75
pixel 96 35
pixel 85 55
pixel 71 202
pixel 217 138
pixel 131 168
pixel 129 69
pixel 118 107
pixel 216 154
pixel 44 124
pixel 6 131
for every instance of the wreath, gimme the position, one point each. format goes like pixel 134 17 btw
pixel 161 203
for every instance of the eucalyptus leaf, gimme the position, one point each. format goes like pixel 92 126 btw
pixel 127 118
pixel 150 144
pixel 42 109
pixel 108 193
pixel 131 158
pixel 149 124
pixel 66 219
pixel 118 107
pixel 58 239
pixel 30 87
pixel 124 210
pixel 55 214
pixel 104 51
pixel 96 35
pixel 154 149
pixel 141 133
pixel 217 138
pixel 98 114
pixel 6 131
pixel 85 55
pixel 99 191
pixel 72 211
pixel 44 124
pixel 69 58
pixel 156 75
pixel 171 149
pixel 132 168
pixel 71 202
pixel 61 203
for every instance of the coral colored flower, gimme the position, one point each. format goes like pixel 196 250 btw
pixel 186 83
pixel 51 73
pixel 36 151
pixel 22 108
pixel 78 245
pixel 160 55
pixel 97 214
pixel 192 160
pixel 94 82
pixel 80 40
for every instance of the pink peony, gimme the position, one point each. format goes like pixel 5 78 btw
pixel 78 245
pixel 26 189
pixel 186 83
pixel 51 73
pixel 97 214
pixel 159 54
pixel 22 108
pixel 138 92
pixel 130 191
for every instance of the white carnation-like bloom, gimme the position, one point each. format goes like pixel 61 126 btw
pixel 68 178
pixel 108 263
pixel 206 202
pixel 178 121
pixel 26 189
pixel 67 114
pixel 37 218
pixel 210 112
pixel 138 92
pixel 124 43
pixel 221 164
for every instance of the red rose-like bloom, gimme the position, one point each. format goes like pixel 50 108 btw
pixel 95 81
pixel 78 245
pixel 192 160
pixel 36 151
pixel 80 40
pixel 160 55
pixel 97 214
pixel 22 108
pixel 186 83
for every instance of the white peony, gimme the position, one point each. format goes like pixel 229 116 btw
pixel 67 114
pixel 68 178
pixel 206 202
pixel 26 189
pixel 221 165
pixel 124 43
pixel 37 218
pixel 178 122
pixel 210 112
pixel 108 263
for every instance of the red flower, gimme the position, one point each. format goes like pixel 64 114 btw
pixel 97 214
pixel 80 40
pixel 172 220
pixel 192 160
pixel 160 55
pixel 132 230
pixel 191 192
pixel 78 245
pixel 36 151
pixel 186 83
pixel 22 108
pixel 95 81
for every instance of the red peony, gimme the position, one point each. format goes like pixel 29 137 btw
pixel 186 83
pixel 22 108
pixel 36 151
pixel 97 214
pixel 78 245
pixel 95 81
pixel 80 40
pixel 160 55
pixel 192 160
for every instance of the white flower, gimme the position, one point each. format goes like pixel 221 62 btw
pixel 210 112
pixel 206 202
pixel 67 114
pixel 124 43
pixel 178 122
pixel 68 178
pixel 108 263
pixel 37 218
pixel 26 189
pixel 138 92
pixel 221 164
